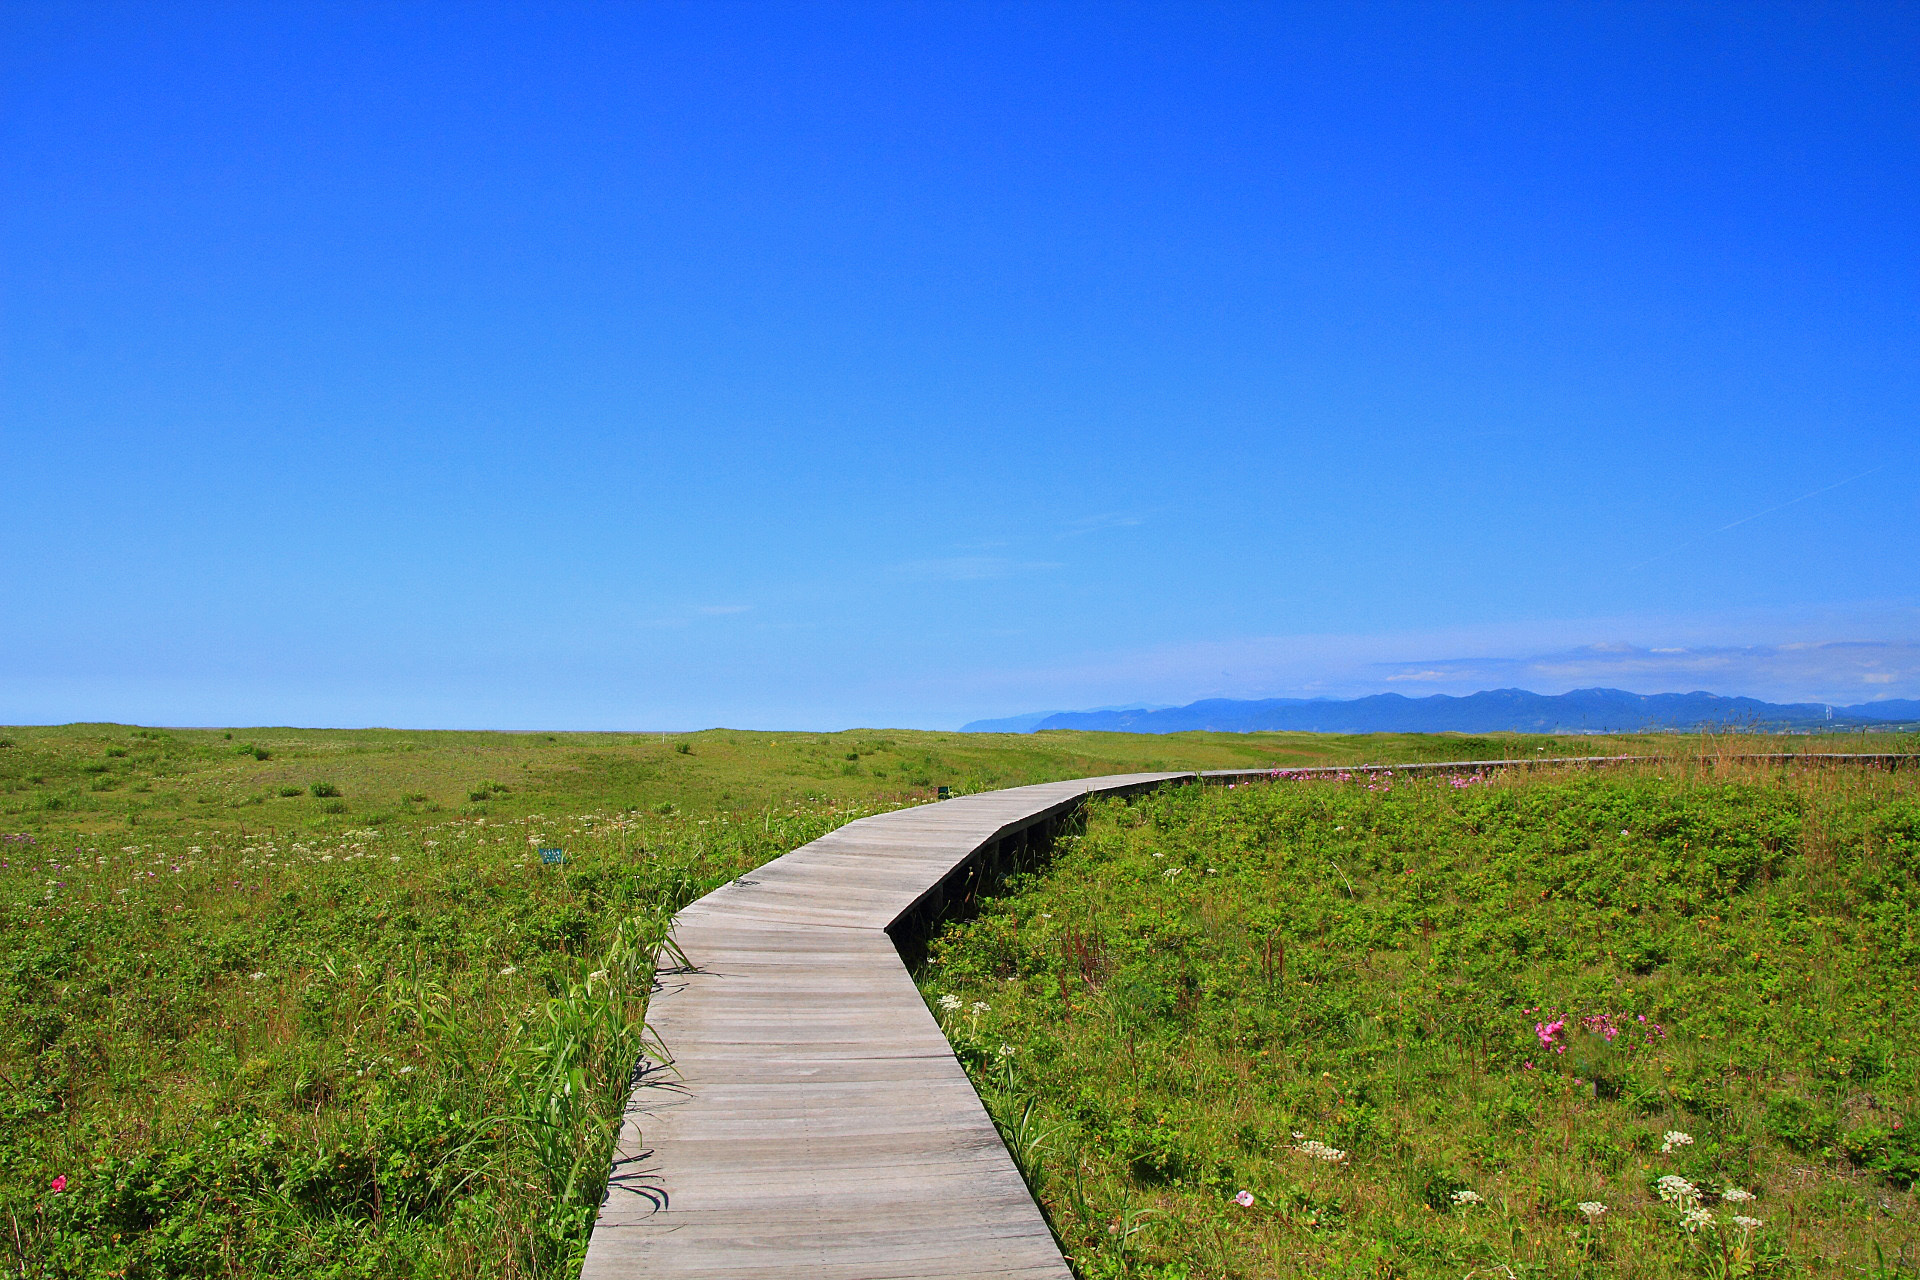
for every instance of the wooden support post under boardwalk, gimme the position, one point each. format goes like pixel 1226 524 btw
pixel 814 1121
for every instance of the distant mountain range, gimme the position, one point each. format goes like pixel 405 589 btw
pixel 1032 720
pixel 1491 711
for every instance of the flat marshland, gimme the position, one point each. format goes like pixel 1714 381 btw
pixel 311 1003
pixel 1645 1021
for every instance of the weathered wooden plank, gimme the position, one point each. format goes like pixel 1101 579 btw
pixel 812 1120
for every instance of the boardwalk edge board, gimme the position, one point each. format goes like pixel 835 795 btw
pixel 808 1117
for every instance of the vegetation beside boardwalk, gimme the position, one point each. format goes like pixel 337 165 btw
pixel 1650 1022
pixel 309 1003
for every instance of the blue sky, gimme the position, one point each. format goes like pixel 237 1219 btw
pixel 653 366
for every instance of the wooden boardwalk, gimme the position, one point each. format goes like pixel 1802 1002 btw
pixel 814 1121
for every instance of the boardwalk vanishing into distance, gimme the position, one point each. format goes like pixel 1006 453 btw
pixel 814 1121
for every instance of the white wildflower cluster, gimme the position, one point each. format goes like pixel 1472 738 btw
pixel 1319 1150
pixel 1677 1191
pixel 1695 1218
pixel 1741 1196
pixel 979 1007
pixel 1006 1051
pixel 1465 1196
pixel 1593 1209
pixel 1675 1138
pixel 949 1003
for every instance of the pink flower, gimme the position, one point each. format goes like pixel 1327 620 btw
pixel 1244 1199
pixel 60 1183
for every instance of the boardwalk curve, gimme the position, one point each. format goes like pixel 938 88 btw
pixel 814 1121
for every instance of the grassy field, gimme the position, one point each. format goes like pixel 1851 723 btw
pixel 1652 1022
pixel 310 1003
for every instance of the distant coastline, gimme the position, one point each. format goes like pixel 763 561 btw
pixel 1489 711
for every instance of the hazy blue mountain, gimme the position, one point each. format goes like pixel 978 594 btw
pixel 1031 720
pixel 1018 724
pixel 1491 711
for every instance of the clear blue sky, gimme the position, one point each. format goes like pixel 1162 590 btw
pixel 651 366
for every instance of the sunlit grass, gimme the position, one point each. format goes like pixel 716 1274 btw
pixel 397 1047
pixel 1307 1028
pixel 293 1002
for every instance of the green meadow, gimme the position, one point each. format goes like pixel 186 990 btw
pixel 312 1003
pixel 1654 1021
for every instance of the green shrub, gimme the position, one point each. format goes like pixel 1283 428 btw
pixel 319 789
pixel 1802 1125
pixel 1889 1149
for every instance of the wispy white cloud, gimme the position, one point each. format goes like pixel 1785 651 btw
pixel 677 620
pixel 1849 671
pixel 1682 545
pixel 1096 524
pixel 1850 654
pixel 970 568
